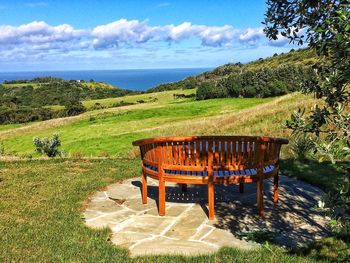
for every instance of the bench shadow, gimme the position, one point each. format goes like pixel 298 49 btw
pixel 295 220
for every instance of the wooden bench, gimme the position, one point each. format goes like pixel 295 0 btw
pixel 210 160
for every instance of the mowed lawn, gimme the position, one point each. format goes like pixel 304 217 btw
pixel 111 131
pixel 41 216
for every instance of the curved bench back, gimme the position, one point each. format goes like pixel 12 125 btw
pixel 210 153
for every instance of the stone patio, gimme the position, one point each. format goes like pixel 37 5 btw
pixel 186 229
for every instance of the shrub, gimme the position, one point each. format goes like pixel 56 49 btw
pixel 210 91
pixel 72 109
pixel 301 147
pixel 23 114
pixel 123 103
pixel 48 146
pixel 97 106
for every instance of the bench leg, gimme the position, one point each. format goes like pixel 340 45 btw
pixel 161 198
pixel 260 196
pixel 211 198
pixel 275 189
pixel 241 188
pixel 144 188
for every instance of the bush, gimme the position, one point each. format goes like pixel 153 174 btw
pixel 301 147
pixel 122 103
pixel 97 106
pixel 48 146
pixel 210 91
pixel 23 114
pixel 72 109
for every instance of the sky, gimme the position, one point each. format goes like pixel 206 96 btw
pixel 129 34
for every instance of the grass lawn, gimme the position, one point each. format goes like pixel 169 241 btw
pixel 41 219
pixel 41 200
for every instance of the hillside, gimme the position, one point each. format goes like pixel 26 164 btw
pixel 273 76
pixel 51 91
pixel 28 100
pixel 109 132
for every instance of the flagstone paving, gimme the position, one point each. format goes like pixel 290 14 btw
pixel 186 229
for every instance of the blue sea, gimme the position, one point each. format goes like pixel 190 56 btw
pixel 133 79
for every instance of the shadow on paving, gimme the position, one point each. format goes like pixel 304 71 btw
pixel 295 220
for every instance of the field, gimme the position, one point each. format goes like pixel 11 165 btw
pixel 111 131
pixel 42 200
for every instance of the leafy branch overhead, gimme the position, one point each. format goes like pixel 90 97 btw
pixel 325 27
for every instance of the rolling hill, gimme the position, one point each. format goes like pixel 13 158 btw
pixel 109 132
pixel 273 76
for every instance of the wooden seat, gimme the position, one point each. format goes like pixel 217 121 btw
pixel 210 160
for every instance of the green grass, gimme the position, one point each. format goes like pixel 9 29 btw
pixel 112 131
pixel 325 175
pixel 35 85
pixel 41 218
pixel 7 127
pixel 41 200
pixel 162 98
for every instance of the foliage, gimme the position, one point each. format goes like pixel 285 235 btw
pixel 327 31
pixel 73 108
pixel 48 146
pixel 262 83
pixel 209 91
pixel 24 114
pixel 258 236
pixel 338 204
pixel 301 147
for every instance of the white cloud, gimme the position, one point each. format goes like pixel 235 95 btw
pixel 251 35
pixel 121 31
pixel 134 32
pixel 38 32
pixel 37 39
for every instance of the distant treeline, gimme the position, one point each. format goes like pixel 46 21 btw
pixel 274 76
pixel 25 103
pixel 262 83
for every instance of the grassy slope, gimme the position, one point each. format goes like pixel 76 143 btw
pixel 112 130
pixel 302 57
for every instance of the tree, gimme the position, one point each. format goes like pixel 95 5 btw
pixel 325 27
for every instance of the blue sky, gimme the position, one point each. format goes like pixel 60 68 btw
pixel 65 35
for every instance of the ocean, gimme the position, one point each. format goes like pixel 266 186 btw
pixel 133 79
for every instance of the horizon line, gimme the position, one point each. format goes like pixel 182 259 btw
pixel 65 70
